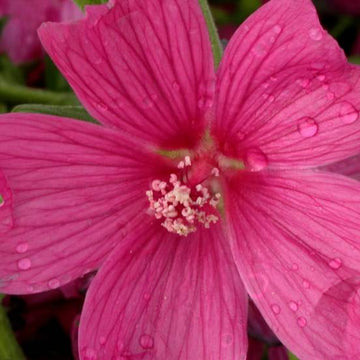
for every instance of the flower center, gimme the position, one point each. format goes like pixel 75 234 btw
pixel 185 201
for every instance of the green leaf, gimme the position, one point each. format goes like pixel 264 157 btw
pixel 355 59
pixel 74 112
pixel 82 3
pixel 3 21
pixel 10 72
pixel 53 78
pixel 292 356
pixel 216 45
pixel 9 348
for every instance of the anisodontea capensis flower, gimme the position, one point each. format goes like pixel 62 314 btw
pixel 247 140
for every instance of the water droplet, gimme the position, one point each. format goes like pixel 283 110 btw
pixel 306 284
pixel 277 29
pixel 227 339
pixel 205 102
pixel 295 267
pixel 275 309
pixel 293 306
pixel 316 34
pixel 24 264
pixel 102 340
pixel 146 296
pixel 256 160
pixel 146 341
pixel 240 135
pixel 303 82
pixel 54 283
pixel 176 86
pixel 30 288
pixel 148 102
pixel 335 263
pixel 321 77
pixel 22 248
pixel 101 106
pixel 89 354
pixel 301 322
pixel 348 114
pixel 98 60
pixel 307 127
pixel 330 95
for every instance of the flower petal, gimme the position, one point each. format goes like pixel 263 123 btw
pixel 160 296
pixel 76 189
pixel 142 66
pixel 6 204
pixel 348 167
pixel 286 89
pixel 297 248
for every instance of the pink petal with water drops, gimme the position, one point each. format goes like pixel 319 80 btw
pixel 144 67
pixel 76 188
pixel 160 296
pixel 6 204
pixel 286 90
pixel 297 248
pixel 348 167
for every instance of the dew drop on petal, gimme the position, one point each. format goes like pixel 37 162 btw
pixel 146 341
pixel 295 267
pixel 256 160
pixel 303 82
pixel 277 29
pixel 307 127
pixel 148 102
pixel 275 309
pixel 22 248
pixel 301 321
pixel 175 86
pixel 89 354
pixel 101 106
pixel 315 34
pixel 335 263
pixel 227 339
pixel 306 284
pixel 330 95
pixel 102 340
pixel 348 114
pixel 24 264
pixel 293 306
pixel 54 283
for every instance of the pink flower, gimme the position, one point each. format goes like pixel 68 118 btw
pixel 283 102
pixel 19 38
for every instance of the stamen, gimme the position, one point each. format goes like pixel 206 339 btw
pixel 179 207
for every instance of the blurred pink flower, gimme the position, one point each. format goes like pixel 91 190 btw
pixel 229 159
pixel 19 38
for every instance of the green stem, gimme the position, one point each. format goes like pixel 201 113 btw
pixel 9 348
pixel 14 93
pixel 216 46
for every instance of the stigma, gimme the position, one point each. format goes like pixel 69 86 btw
pixel 180 206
